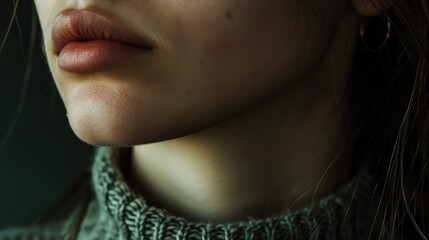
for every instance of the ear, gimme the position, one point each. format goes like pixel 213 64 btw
pixel 370 8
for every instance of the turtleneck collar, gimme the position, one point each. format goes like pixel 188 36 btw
pixel 345 214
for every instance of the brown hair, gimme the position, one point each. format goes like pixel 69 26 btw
pixel 390 98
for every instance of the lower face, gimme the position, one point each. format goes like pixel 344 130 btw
pixel 212 61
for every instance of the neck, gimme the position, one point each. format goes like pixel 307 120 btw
pixel 279 155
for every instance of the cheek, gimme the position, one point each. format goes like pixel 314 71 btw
pixel 249 47
pixel 44 9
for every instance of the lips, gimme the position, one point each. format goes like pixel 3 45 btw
pixel 86 40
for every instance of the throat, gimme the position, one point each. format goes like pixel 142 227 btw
pixel 234 177
pixel 276 157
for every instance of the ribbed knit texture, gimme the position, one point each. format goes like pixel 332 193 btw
pixel 120 213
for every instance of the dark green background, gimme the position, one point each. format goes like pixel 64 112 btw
pixel 42 157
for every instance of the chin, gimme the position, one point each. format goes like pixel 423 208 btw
pixel 107 130
pixel 106 116
pixel 115 137
pixel 102 118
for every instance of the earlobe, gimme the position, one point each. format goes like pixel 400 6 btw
pixel 370 8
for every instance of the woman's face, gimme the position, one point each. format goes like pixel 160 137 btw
pixel 211 61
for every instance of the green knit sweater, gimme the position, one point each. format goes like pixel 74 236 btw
pixel 117 212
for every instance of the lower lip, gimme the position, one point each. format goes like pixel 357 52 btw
pixel 98 55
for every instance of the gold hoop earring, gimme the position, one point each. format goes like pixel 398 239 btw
pixel 363 25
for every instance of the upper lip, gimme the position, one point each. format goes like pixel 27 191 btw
pixel 87 24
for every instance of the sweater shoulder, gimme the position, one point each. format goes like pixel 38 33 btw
pixel 93 224
pixel 39 232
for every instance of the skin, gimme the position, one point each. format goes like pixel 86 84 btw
pixel 240 111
